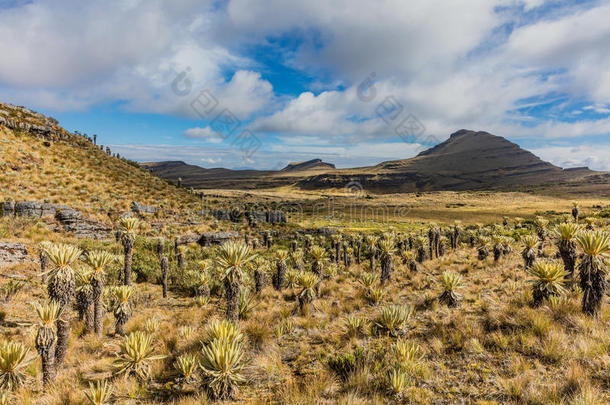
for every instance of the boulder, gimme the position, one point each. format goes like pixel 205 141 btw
pixel 226 215
pixel 31 209
pixel 28 209
pixel 7 208
pixel 72 221
pixel 186 239
pixel 12 253
pixel 143 209
pixel 257 216
pixel 216 238
pixel 222 215
pixel 276 217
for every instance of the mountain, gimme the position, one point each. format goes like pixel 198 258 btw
pixel 41 161
pixel 468 160
pixel 313 164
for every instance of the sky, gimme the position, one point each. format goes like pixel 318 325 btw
pixel 261 83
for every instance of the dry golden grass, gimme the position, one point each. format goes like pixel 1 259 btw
pixel 370 212
pixel 82 176
pixel 494 347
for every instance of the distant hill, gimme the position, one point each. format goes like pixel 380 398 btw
pixel 468 160
pixel 314 164
pixel 41 161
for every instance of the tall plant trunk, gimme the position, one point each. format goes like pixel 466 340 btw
pixel 164 271
pixel 232 296
pixel 316 268
pixel 593 284
pixel 421 254
pixel 49 371
pixel 180 258
pixel 128 247
pixel 280 275
pixel 44 265
pixel 98 306
pixel 63 336
pixel 567 250
pixel 119 327
pixel 497 252
pixel 386 267
pixel 160 248
pixel 258 281
pixel 89 317
pixel 45 346
pixel 305 304
pixel 413 266
pixel 337 252
pixel 358 246
pixel 455 240
pixel 529 257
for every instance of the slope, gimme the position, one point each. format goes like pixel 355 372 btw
pixel 39 161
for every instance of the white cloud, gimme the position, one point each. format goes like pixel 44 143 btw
pixel 211 161
pixel 451 64
pixel 576 43
pixel 70 55
pixel 205 133
pixel 388 36
pixel 596 157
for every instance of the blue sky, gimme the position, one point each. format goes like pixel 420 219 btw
pixel 302 80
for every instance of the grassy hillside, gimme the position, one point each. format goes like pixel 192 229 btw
pixel 78 174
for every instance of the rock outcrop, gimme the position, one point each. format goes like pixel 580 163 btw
pixel 69 219
pixel 143 209
pixel 216 238
pixel 270 217
pixel 31 209
pixel 20 118
pixel 13 253
pixel 72 221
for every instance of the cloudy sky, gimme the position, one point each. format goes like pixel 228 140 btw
pixel 260 83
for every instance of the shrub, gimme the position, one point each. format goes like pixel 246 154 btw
pixel 392 319
pixel 345 364
pixel 136 356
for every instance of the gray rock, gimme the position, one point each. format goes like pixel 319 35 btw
pixel 28 209
pixel 31 209
pixel 186 239
pixel 216 238
pixel 222 215
pixel 276 217
pixel 12 253
pixel 71 220
pixel 7 208
pixel 143 209
pixel 234 215
pixel 258 216
pixel 68 215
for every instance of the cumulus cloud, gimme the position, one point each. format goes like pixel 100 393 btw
pixel 596 157
pixel 481 64
pixel 69 55
pixel 463 82
pixel 205 133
